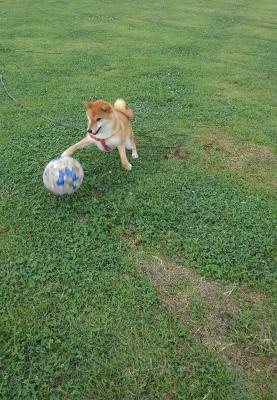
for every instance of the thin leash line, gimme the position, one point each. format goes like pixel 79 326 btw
pixel 4 49
pixel 57 123
pixel 31 109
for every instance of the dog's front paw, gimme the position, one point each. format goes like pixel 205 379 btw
pixel 129 167
pixel 135 155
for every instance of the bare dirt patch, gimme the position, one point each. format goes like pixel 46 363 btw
pixel 177 153
pixel 233 321
pixel 250 161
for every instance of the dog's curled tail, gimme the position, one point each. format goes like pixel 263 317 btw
pixel 121 106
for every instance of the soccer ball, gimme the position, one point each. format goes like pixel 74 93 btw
pixel 63 175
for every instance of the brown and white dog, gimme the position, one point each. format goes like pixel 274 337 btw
pixel 108 127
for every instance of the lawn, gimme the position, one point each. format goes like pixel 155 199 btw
pixel 158 283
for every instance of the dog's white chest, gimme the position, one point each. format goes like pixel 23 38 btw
pixel 113 142
pixel 105 144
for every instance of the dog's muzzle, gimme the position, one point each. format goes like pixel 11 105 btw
pixel 91 131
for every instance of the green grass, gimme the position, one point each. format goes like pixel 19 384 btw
pixel 79 319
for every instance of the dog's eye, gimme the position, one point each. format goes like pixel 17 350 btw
pixel 98 119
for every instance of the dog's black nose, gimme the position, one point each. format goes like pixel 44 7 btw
pixel 89 130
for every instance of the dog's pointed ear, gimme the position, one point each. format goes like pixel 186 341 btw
pixel 106 108
pixel 87 104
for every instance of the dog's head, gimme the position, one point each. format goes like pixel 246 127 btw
pixel 99 115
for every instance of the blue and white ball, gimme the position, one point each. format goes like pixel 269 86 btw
pixel 63 175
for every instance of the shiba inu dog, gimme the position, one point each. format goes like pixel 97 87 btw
pixel 109 127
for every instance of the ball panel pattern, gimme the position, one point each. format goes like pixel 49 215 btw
pixel 63 175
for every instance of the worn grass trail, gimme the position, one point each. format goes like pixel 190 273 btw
pixel 79 318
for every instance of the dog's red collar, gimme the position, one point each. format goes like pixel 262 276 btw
pixel 102 141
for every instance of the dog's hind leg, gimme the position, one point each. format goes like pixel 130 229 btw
pixel 132 143
pixel 134 151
